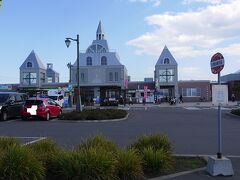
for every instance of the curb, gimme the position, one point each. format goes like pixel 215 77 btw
pixel 178 174
pixel 233 115
pixel 93 121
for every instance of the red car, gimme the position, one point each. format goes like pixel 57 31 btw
pixel 40 107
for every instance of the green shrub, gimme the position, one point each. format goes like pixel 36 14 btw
pixel 156 152
pixel 94 114
pixel 156 161
pixel 236 111
pixel 6 142
pixel 129 165
pixel 88 164
pixel 154 141
pixel 99 142
pixel 19 163
pixel 44 150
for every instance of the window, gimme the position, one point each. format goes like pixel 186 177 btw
pixel 166 75
pixel 29 64
pixel 18 98
pixel 12 98
pixel 104 60
pixel 49 79
pixel 29 78
pixel 42 77
pixel 110 76
pixel 116 76
pixel 89 61
pixel 166 61
pixel 82 77
pixel 191 92
pixel 99 47
pixel 103 50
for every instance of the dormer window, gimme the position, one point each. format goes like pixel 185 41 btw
pixel 89 61
pixel 166 61
pixel 104 60
pixel 29 64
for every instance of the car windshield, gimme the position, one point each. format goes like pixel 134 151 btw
pixel 33 102
pixel 3 98
pixel 53 97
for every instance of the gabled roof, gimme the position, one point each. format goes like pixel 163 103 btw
pixel 100 29
pixel 166 54
pixel 51 71
pixel 34 59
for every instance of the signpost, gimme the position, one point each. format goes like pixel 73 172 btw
pixel 219 165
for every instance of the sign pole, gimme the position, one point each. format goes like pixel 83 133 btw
pixel 219 154
pixel 219 165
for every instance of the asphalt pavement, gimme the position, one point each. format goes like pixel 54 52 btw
pixel 192 129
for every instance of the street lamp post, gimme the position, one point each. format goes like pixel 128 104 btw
pixel 68 42
pixel 69 65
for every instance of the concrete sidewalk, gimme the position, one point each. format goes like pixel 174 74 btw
pixel 186 104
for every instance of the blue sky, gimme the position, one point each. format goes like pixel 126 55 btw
pixel 193 30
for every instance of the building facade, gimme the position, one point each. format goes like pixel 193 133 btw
pixel 101 73
pixel 166 75
pixel 195 90
pixel 233 81
pixel 52 75
pixel 33 73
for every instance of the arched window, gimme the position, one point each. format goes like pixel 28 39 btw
pixel 89 61
pixel 104 60
pixel 29 64
pixel 166 61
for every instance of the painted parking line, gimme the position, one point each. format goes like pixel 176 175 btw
pixel 34 141
pixel 139 108
pixel 26 140
pixel 223 108
pixel 192 108
pixel 124 108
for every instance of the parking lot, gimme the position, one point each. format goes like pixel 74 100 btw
pixel 192 131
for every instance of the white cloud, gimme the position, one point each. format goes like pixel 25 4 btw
pixel 192 34
pixel 154 2
pixel 193 73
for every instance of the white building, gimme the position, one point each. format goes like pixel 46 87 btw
pixel 166 74
pixel 101 72
pixel 33 73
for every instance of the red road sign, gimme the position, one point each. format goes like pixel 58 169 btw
pixel 217 63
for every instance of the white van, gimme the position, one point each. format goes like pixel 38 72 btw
pixel 57 96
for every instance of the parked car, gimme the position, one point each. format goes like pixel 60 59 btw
pixel 45 108
pixel 58 99
pixel 11 104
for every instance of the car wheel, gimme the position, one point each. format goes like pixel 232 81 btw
pixel 47 116
pixel 60 113
pixel 4 116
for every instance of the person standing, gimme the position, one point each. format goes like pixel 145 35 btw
pixel 233 97
pixel 180 99
pixel 130 100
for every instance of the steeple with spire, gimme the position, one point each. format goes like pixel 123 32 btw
pixel 100 32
